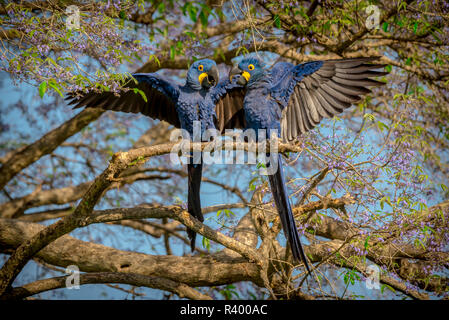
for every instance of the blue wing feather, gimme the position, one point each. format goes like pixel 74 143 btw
pixel 279 70
pixel 221 89
pixel 160 103
pixel 158 82
pixel 228 99
pixel 285 76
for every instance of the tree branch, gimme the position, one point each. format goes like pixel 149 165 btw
pixel 181 289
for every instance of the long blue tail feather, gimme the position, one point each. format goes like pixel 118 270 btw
pixel 282 202
pixel 193 198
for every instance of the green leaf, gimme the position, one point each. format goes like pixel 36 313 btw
pixel 382 288
pixel 52 62
pixel 388 68
pixel 366 245
pixel 277 21
pixel 172 52
pixel 153 56
pixel 385 26
pixel 252 295
pixel 261 165
pixel 419 130
pixel 161 7
pixel 252 187
pixel 144 97
pixel 382 125
pixel 369 116
pixel 203 18
pixel 229 213
pixel 55 87
pixel 387 200
pixel 402 5
pixel 243 49
pixel 42 89
pixel 346 277
pixel 206 243
pixel 418 243
pixel 192 10
pixel 415 27
pixel 190 34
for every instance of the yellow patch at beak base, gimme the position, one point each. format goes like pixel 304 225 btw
pixel 246 75
pixel 202 76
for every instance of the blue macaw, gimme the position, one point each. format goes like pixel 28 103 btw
pixel 293 100
pixel 202 98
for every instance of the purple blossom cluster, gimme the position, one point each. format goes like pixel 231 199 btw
pixel 104 6
pixel 361 252
pixel 393 168
pixel 50 52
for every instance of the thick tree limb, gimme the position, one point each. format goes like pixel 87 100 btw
pixel 182 290
pixel 90 257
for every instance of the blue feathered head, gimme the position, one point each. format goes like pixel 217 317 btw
pixel 249 70
pixel 202 74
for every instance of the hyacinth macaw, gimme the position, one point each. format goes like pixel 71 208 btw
pixel 293 100
pixel 202 98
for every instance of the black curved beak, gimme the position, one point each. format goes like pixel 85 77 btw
pixel 211 79
pixel 236 73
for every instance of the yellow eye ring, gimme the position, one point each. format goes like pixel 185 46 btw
pixel 200 67
pixel 251 67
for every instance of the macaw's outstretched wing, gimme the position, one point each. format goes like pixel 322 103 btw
pixel 161 97
pixel 315 90
pixel 228 99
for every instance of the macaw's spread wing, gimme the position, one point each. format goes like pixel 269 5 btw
pixel 280 70
pixel 228 99
pixel 160 95
pixel 315 90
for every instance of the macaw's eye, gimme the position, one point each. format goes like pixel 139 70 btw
pixel 200 67
pixel 251 67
